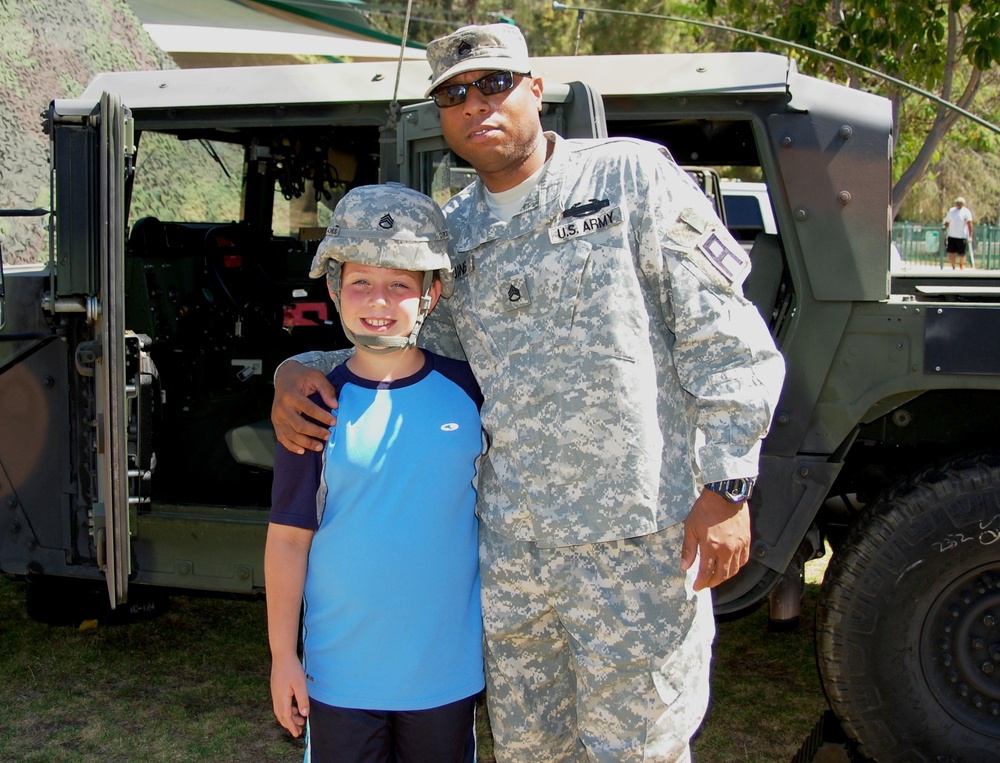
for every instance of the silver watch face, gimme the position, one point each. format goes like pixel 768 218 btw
pixel 734 491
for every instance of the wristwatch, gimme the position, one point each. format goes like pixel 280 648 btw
pixel 734 491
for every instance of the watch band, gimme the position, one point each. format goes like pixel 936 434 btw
pixel 734 491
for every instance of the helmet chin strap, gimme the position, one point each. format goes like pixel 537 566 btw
pixel 383 345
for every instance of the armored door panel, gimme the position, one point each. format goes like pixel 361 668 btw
pixel 111 512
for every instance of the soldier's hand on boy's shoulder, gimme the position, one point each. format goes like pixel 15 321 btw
pixel 293 415
pixel 289 696
pixel 718 533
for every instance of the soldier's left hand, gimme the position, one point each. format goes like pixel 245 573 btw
pixel 717 534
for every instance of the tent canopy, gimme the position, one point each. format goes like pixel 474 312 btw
pixel 198 33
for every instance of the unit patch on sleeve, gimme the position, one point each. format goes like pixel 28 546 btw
pixel 729 258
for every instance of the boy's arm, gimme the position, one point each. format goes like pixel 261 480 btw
pixel 285 558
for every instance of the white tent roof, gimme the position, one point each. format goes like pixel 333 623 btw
pixel 229 27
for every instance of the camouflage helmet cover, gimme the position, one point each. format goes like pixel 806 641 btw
pixel 386 226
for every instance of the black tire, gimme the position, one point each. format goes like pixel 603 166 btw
pixel 908 623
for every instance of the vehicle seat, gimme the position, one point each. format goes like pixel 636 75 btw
pixel 767 264
pixel 147 238
pixel 253 444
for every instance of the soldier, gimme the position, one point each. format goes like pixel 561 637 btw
pixel 627 387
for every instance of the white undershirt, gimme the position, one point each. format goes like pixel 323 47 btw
pixel 506 204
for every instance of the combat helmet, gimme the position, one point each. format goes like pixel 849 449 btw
pixel 387 226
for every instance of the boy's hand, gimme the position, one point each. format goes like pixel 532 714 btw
pixel 292 386
pixel 288 694
pixel 718 531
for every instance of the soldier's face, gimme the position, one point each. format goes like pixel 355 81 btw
pixel 499 135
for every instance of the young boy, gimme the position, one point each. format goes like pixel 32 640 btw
pixel 377 534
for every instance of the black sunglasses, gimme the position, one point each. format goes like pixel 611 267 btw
pixel 490 84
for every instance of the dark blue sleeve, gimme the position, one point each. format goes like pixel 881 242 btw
pixel 294 489
pixel 297 478
pixel 459 372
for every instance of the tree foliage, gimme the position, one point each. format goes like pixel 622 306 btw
pixel 550 32
pixel 948 47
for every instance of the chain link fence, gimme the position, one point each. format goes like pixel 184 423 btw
pixel 921 245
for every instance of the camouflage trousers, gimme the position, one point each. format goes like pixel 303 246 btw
pixel 597 652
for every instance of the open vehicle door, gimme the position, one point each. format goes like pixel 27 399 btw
pixel 111 511
pixel 426 163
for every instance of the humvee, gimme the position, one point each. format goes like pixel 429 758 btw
pixel 136 365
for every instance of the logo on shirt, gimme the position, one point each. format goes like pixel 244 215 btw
pixel 449 427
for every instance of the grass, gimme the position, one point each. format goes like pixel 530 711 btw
pixel 192 685
pixel 766 695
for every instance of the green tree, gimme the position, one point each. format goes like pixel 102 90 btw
pixel 549 32
pixel 948 47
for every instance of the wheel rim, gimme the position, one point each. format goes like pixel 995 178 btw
pixel 960 649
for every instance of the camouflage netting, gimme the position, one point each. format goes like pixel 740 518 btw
pixel 51 50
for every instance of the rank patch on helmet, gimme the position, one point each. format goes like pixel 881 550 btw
pixel 729 259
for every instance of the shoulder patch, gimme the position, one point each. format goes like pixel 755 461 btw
pixel 731 261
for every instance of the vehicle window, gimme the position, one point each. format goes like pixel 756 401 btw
pixel 444 174
pixel 744 212
pixel 211 189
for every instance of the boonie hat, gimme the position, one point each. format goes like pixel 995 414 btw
pixel 386 226
pixel 960 200
pixel 491 47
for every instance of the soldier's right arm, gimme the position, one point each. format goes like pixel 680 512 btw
pixel 299 424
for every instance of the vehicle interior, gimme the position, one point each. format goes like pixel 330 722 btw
pixel 217 279
pixel 221 302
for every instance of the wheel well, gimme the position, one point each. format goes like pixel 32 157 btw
pixel 938 425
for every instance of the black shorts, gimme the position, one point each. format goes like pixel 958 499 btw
pixel 445 734
pixel 956 245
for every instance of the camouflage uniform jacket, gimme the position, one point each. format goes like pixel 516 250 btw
pixel 619 362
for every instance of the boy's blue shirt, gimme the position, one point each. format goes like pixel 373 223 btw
pixel 392 613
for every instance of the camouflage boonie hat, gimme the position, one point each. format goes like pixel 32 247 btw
pixel 493 47
pixel 386 226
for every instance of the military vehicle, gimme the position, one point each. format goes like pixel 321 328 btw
pixel 136 365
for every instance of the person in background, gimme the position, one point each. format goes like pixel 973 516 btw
pixel 627 386
pixel 375 537
pixel 958 227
